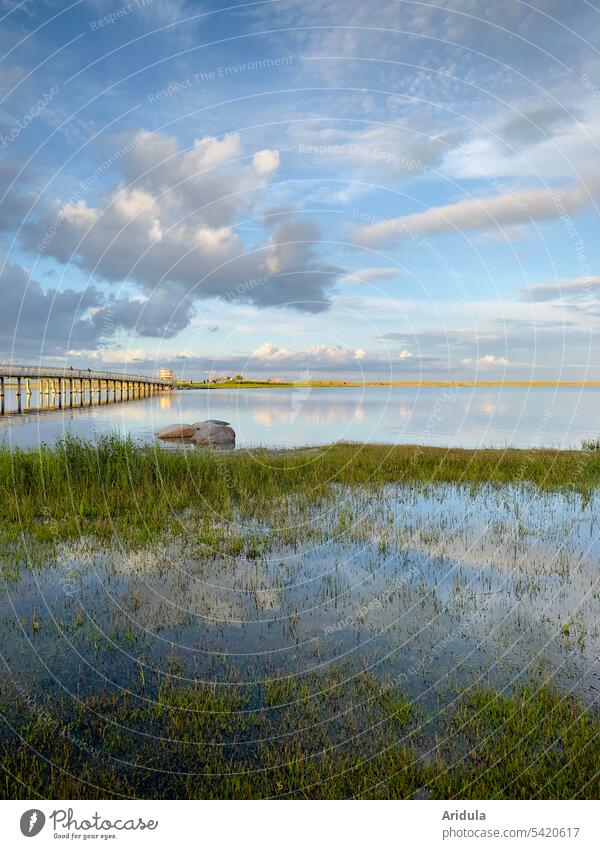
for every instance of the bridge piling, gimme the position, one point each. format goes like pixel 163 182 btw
pixel 57 388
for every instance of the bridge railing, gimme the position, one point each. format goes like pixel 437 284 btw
pixel 78 374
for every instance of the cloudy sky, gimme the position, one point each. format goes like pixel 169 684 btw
pixel 393 189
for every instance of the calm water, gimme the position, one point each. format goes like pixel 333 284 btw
pixel 465 416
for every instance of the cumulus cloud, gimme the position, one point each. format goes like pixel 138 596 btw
pixel 480 213
pixel 270 359
pixel 311 356
pixel 169 226
pixel 163 314
pixel 486 361
pixel 266 161
pixel 35 321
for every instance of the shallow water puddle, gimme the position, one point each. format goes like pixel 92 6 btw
pixel 438 589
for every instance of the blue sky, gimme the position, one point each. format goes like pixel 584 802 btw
pixel 395 190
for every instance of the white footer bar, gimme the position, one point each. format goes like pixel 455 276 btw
pixel 306 824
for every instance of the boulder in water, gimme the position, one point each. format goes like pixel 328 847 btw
pixel 211 433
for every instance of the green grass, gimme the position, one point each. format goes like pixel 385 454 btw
pixel 117 489
pixel 590 445
pixel 309 739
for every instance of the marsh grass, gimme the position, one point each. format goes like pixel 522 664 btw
pixel 590 445
pixel 117 489
pixel 309 739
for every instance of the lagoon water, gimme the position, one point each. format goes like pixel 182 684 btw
pixel 288 417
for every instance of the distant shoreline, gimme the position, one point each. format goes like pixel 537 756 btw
pixel 314 384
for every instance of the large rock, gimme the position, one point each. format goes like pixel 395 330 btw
pixel 177 431
pixel 211 433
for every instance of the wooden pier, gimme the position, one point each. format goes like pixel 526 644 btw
pixel 58 388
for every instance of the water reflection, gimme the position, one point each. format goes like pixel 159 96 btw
pixel 440 585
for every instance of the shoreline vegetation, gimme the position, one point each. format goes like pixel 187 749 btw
pixel 314 384
pixel 117 487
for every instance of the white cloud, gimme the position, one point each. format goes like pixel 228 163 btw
pixel 268 351
pixel 169 226
pixel 529 140
pixel 114 356
pixel 485 361
pixel 480 213
pixel 368 275
pixel 564 290
pixel 78 215
pixel 266 161
pixel 312 355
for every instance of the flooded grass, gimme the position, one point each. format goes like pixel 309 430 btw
pixel 305 741
pixel 114 488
